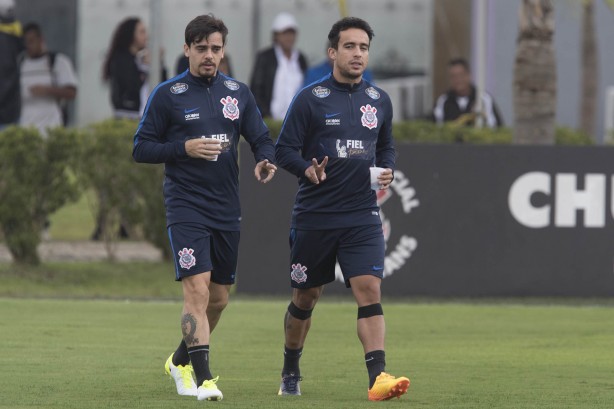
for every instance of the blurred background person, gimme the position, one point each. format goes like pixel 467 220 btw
pixel 126 68
pixel 458 103
pixel 279 70
pixel 48 81
pixel 10 48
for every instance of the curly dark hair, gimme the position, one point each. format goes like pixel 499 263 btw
pixel 121 41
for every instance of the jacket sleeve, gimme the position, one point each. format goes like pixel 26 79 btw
pixel 256 132
pixel 384 150
pixel 258 85
pixel 150 144
pixel 290 143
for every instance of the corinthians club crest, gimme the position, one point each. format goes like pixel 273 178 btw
pixel 231 108
pixel 298 273
pixel 186 258
pixel 369 117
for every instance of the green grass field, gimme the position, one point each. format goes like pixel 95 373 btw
pixel 109 354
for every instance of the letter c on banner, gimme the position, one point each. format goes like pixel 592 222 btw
pixel 519 199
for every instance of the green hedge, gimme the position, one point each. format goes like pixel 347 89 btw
pixel 127 193
pixel 35 182
pixel 41 175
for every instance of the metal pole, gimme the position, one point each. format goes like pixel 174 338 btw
pixel 155 42
pixel 343 8
pixel 480 72
pixel 256 15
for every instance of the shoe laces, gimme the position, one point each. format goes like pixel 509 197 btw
pixel 210 383
pixel 186 375
pixel 291 382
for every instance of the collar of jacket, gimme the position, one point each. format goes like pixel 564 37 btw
pixel 345 87
pixel 206 82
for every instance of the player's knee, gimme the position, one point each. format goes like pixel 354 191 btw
pixel 371 310
pixel 299 313
pixel 306 299
pixel 195 293
pixel 217 305
pixel 368 293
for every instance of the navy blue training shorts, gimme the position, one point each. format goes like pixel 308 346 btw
pixel 198 249
pixel 313 253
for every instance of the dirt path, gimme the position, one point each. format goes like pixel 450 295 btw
pixel 89 251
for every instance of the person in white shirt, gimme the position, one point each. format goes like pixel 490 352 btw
pixel 458 103
pixel 47 81
pixel 279 70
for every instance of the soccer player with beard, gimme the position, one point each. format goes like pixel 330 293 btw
pixel 192 124
pixel 334 131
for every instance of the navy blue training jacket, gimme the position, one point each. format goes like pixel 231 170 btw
pixel 352 125
pixel 184 107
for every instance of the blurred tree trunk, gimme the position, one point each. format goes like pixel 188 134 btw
pixel 535 75
pixel 589 68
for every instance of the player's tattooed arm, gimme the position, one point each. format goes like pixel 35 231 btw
pixel 188 328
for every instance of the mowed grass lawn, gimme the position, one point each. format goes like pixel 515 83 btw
pixel 110 354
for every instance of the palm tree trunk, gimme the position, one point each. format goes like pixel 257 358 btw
pixel 589 68
pixel 535 75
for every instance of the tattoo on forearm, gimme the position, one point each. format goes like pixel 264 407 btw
pixel 188 328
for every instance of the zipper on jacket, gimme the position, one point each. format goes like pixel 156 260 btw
pixel 351 108
pixel 210 99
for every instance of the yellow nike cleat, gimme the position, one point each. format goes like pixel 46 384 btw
pixel 209 391
pixel 182 375
pixel 387 387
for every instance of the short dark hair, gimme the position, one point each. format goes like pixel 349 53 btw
pixel 202 27
pixel 34 27
pixel 459 61
pixel 345 24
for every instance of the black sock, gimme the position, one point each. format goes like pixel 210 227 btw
pixel 291 358
pixel 199 355
pixel 376 364
pixel 181 356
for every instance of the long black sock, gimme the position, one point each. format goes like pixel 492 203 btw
pixel 376 364
pixel 181 356
pixel 291 358
pixel 199 355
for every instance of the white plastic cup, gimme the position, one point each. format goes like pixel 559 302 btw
pixel 211 141
pixel 375 172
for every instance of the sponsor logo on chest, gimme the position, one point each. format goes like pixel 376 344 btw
pixel 350 147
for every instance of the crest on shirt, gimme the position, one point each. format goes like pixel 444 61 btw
pixel 186 258
pixel 369 117
pixel 298 273
pixel 231 108
pixel 372 92
pixel 321 92
pixel 231 85
pixel 179 88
